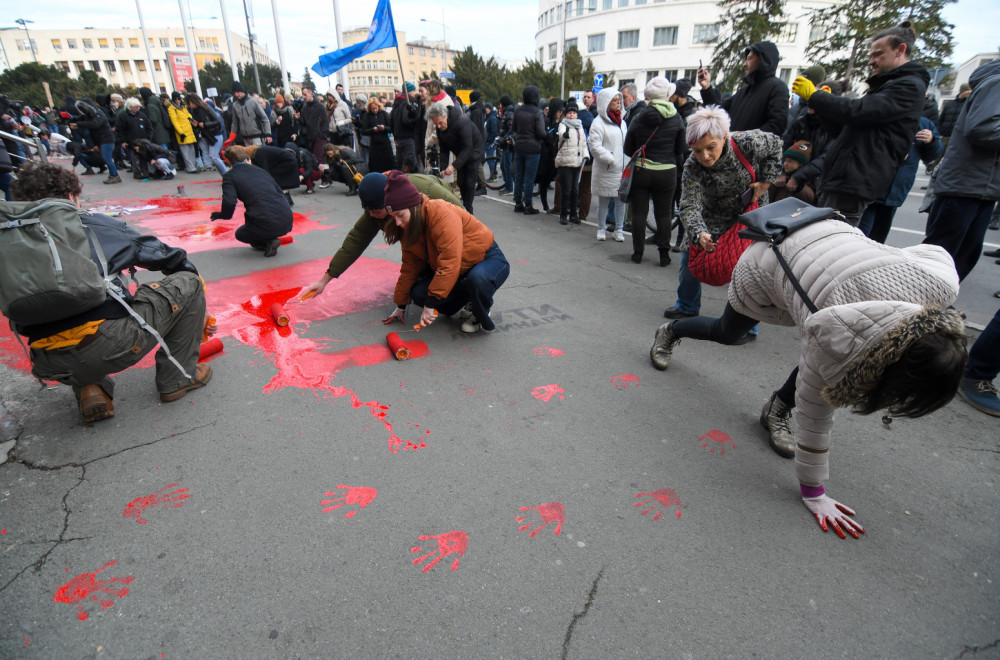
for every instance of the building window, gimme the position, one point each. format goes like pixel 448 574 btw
pixel 541 54
pixel 140 66
pixel 608 4
pixel 79 66
pixel 109 65
pixel 640 2
pixel 705 33
pixel 623 3
pixel 71 43
pixel 64 66
pixel 423 52
pixel 57 44
pixel 665 36
pixel 788 34
pixel 88 43
pixel 785 75
pixel 592 6
pixel 156 65
pixel 126 66
pixel 671 75
pixel 595 43
pixel 202 44
pixel 570 43
pixel 179 42
pixel 95 65
pixel 628 39
pixel 164 42
pixel 651 74
pixel 579 7
pixel 132 42
pixel 409 49
pixel 119 43
pixel 692 75
pixel 553 50
pixel 559 13
pixel 103 43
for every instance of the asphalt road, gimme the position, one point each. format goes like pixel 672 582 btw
pixel 538 492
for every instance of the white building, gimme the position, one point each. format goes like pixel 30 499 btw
pixel 963 71
pixel 641 39
pixel 118 55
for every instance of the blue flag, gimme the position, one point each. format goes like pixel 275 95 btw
pixel 381 34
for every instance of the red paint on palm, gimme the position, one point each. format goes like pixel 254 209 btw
pixel 546 352
pixel 546 392
pixel 717 440
pixel 622 382
pixel 172 500
pixel 659 501
pixel 360 495
pixel 449 543
pixel 542 515
pixel 86 587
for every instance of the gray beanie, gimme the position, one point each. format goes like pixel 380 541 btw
pixel 659 88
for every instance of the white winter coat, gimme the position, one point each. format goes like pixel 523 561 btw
pixel 572 141
pixel 864 290
pixel 607 147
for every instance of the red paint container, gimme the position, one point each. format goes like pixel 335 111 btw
pixel 397 346
pixel 210 348
pixel 285 240
pixel 279 314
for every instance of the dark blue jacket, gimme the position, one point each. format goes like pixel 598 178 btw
pixel 897 190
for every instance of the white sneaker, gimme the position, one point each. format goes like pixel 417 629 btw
pixel 472 324
pixel 465 312
pixel 323 185
pixel 620 236
pixel 601 235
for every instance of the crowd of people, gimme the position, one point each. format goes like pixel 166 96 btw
pixel 879 330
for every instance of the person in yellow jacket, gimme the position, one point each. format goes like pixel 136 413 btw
pixel 450 259
pixel 180 117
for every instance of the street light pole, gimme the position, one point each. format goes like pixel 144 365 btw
pixel 444 41
pixel 24 23
pixel 253 55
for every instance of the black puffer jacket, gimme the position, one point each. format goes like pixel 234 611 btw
pixel 763 101
pixel 819 134
pixel 280 163
pixel 461 139
pixel 667 146
pixel 265 204
pixel 133 127
pixel 949 115
pixel 877 131
pixel 529 123
pixel 95 121
pixel 477 115
pixel 313 120
pixel 403 118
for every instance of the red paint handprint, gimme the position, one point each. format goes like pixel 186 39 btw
pixel 449 543
pixel 622 382
pixel 719 438
pixel 545 351
pixel 546 392
pixel 659 501
pixel 543 515
pixel 87 587
pixel 174 500
pixel 360 495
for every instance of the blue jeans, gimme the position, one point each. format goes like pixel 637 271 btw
pixel 525 168
pixel 688 287
pixel 984 356
pixel 491 151
pixel 108 154
pixel 507 169
pixel 5 179
pixel 213 152
pixel 476 286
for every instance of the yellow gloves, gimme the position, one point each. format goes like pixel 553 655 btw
pixel 803 87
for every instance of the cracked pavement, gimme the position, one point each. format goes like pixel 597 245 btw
pixel 255 561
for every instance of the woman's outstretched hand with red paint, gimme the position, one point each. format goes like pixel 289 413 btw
pixel 828 510
pixel 315 288
pixel 397 315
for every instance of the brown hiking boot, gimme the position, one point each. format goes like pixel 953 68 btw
pixel 200 380
pixel 95 404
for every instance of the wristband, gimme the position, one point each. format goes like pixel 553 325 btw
pixel 811 492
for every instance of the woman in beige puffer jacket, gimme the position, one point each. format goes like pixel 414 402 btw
pixel 882 337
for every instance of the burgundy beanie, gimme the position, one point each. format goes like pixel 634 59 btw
pixel 399 192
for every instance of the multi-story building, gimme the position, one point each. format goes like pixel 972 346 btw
pixel 118 55
pixel 379 72
pixel 641 39
pixel 424 56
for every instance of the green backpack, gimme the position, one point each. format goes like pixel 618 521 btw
pixel 46 270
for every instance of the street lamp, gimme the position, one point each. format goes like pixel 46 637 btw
pixel 24 23
pixel 444 40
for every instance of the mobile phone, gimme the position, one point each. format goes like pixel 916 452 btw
pixel 700 65
pixel 747 197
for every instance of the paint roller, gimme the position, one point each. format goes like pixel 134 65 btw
pixel 210 348
pixel 397 346
pixel 285 240
pixel 279 314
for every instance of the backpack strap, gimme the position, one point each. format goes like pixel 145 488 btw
pixel 743 159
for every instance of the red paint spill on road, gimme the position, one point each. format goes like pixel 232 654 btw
pixel 360 495
pixel 622 382
pixel 172 500
pixel 546 392
pixel 86 586
pixel 542 515
pixel 719 439
pixel 546 352
pixel 659 501
pixel 449 543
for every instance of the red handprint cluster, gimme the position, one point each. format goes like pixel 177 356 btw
pixel 173 500
pixel 360 495
pixel 542 515
pixel 86 587
pixel 546 392
pixel 622 382
pixel 717 440
pixel 659 501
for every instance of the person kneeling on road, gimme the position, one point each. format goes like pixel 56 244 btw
pixel 450 259
pixel 267 214
pixel 371 192
pixel 82 350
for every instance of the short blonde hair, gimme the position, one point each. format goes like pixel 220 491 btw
pixel 710 120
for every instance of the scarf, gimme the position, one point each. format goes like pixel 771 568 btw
pixel 439 97
pixel 615 116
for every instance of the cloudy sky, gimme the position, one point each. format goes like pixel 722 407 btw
pixel 504 28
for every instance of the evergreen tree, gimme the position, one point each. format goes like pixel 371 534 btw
pixel 844 33
pixel 580 72
pixel 743 23
pixel 217 74
pixel 307 80
pixel 24 83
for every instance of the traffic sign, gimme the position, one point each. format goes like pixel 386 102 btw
pixel 599 80
pixel 446 74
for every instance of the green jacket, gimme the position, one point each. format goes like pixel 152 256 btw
pixel 159 120
pixel 366 228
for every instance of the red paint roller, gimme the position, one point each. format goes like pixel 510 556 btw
pixel 279 314
pixel 285 240
pixel 397 346
pixel 210 348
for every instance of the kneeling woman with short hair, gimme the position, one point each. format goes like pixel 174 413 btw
pixel 450 259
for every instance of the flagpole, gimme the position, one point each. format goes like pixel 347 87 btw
pixel 190 49
pixel 229 41
pixel 341 75
pixel 149 54
pixel 281 50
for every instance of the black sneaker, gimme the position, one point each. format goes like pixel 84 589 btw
pixel 519 208
pixel 530 210
pixel 272 247
pixel 676 313
pixel 168 177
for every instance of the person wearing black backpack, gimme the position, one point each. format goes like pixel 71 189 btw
pixel 83 349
